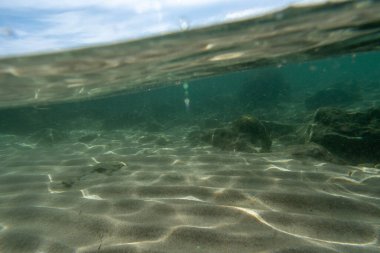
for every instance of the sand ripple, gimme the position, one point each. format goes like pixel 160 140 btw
pixel 128 196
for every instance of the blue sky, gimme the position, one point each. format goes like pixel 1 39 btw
pixel 31 26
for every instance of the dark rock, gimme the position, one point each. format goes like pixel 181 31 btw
pixel 256 131
pixel 241 135
pixel 330 97
pixel 353 136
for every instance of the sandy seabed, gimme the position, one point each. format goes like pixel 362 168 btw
pixel 128 191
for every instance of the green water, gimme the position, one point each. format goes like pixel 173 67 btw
pixel 224 97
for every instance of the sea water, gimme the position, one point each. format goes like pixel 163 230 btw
pixel 156 145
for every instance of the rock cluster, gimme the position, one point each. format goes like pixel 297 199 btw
pixel 353 136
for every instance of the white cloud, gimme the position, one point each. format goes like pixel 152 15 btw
pixel 91 27
pixel 83 27
pixel 28 45
pixel 72 23
pixel 139 6
pixel 246 13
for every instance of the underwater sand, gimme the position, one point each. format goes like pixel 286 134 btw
pixel 128 191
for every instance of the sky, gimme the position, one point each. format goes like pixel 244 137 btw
pixel 33 26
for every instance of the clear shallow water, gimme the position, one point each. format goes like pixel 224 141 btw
pixel 296 34
pixel 167 170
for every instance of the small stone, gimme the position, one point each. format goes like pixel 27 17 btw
pixel 68 184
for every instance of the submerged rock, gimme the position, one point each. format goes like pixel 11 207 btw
pixel 353 136
pixel 242 135
pixel 228 139
pixel 330 97
pixel 255 130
